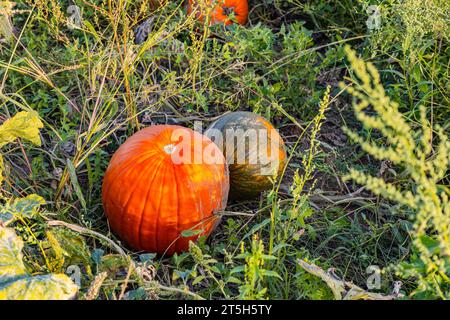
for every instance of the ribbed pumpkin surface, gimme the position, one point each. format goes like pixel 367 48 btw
pixel 150 200
pixel 248 179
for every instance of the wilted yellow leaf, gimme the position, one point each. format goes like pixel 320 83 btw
pixel 17 284
pixel 24 124
pixel 344 290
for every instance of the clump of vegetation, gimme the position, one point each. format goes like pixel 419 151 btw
pixel 425 166
pixel 16 283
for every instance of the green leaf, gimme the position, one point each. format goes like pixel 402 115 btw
pixel 97 255
pixel 256 228
pixel 24 124
pixel 17 284
pixel 238 269
pixel 113 263
pixel 24 207
pixel 91 28
pixel 147 257
pixel 27 207
pixel 197 280
pixel 215 269
pixel 270 273
pixel 268 257
pixel 138 294
pixel 431 244
pixel 235 280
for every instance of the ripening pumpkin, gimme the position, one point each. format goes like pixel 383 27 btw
pixel 254 151
pixel 222 12
pixel 158 184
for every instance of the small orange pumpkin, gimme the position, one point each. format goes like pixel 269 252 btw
pixel 150 197
pixel 223 10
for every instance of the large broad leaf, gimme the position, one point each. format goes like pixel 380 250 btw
pixel 24 207
pixel 17 284
pixel 24 124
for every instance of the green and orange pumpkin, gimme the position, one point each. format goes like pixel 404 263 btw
pixel 155 197
pixel 254 150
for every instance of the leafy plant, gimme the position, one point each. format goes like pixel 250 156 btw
pixel 413 37
pixel 255 272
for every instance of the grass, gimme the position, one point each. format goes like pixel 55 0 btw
pixel 93 87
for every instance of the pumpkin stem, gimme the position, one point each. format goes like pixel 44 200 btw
pixel 170 148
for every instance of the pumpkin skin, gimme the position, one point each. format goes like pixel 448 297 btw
pixel 149 199
pixel 249 179
pixel 221 12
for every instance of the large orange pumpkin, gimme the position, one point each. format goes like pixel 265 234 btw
pixel 222 12
pixel 159 184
